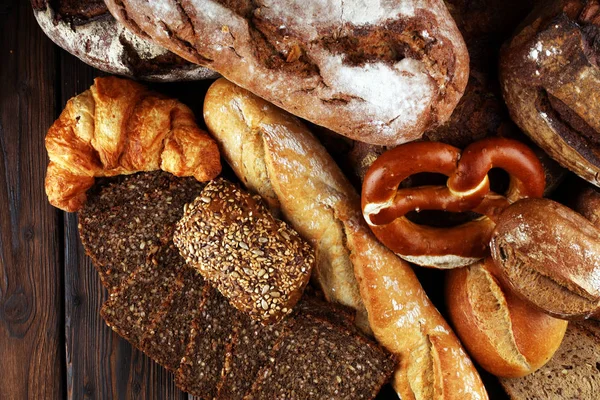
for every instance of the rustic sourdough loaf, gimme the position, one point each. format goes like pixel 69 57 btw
pixel 87 30
pixel 378 71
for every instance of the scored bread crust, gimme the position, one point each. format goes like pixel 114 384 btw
pixel 120 127
pixel 504 334
pixel 277 157
pixel 378 72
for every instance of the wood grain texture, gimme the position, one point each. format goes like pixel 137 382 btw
pixel 31 317
pixel 100 365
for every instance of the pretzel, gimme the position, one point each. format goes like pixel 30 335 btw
pixel 385 205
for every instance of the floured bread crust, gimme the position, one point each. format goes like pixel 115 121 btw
pixel 376 71
pixel 91 34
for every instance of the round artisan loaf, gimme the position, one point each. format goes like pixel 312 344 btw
pixel 505 335
pixel 88 31
pixel 550 78
pixel 550 256
pixel 378 72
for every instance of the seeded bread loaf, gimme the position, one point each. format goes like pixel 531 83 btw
pixel 257 262
pixel 88 31
pixel 277 157
pixel 379 72
pixel 572 374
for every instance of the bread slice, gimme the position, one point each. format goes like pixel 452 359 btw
pixel 166 340
pixel 128 219
pixel 319 359
pixel 209 346
pixel 252 346
pixel 144 296
pixel 573 372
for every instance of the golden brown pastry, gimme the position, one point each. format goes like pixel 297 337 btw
pixel 120 127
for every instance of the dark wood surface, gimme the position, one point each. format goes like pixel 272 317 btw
pixel 53 342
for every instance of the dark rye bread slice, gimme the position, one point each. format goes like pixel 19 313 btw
pixel 126 219
pixel 320 360
pixel 573 373
pixel 145 295
pixel 166 340
pixel 209 346
pixel 251 347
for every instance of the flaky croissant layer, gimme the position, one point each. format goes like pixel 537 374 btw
pixel 120 127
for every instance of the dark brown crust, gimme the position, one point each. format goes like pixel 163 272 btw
pixel 549 72
pixel 80 26
pixel 550 256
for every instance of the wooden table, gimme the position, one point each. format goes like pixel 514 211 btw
pixel 53 343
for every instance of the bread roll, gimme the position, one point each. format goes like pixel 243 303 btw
pixel 277 157
pixel 377 71
pixel 505 335
pixel 550 256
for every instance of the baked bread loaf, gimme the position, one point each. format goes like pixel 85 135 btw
pixel 258 263
pixel 88 31
pixel 377 72
pixel 505 335
pixel 551 82
pixel 120 127
pixel 573 372
pixel 550 256
pixel 277 157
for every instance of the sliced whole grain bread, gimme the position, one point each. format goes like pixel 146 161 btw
pixel 129 218
pixel 145 295
pixel 572 374
pixel 320 360
pixel 252 346
pixel 209 346
pixel 166 340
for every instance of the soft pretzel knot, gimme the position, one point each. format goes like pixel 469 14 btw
pixel 385 205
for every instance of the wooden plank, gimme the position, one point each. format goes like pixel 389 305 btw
pixel 99 363
pixel 31 331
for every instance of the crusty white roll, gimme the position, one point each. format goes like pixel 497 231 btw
pixel 504 334
pixel 276 156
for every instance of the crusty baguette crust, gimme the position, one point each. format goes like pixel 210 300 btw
pixel 277 157
pixel 119 127
pixel 405 76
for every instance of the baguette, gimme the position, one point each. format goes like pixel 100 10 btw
pixel 277 157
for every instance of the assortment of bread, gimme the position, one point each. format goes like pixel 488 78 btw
pixel 212 281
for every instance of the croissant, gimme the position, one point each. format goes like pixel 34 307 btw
pixel 120 127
